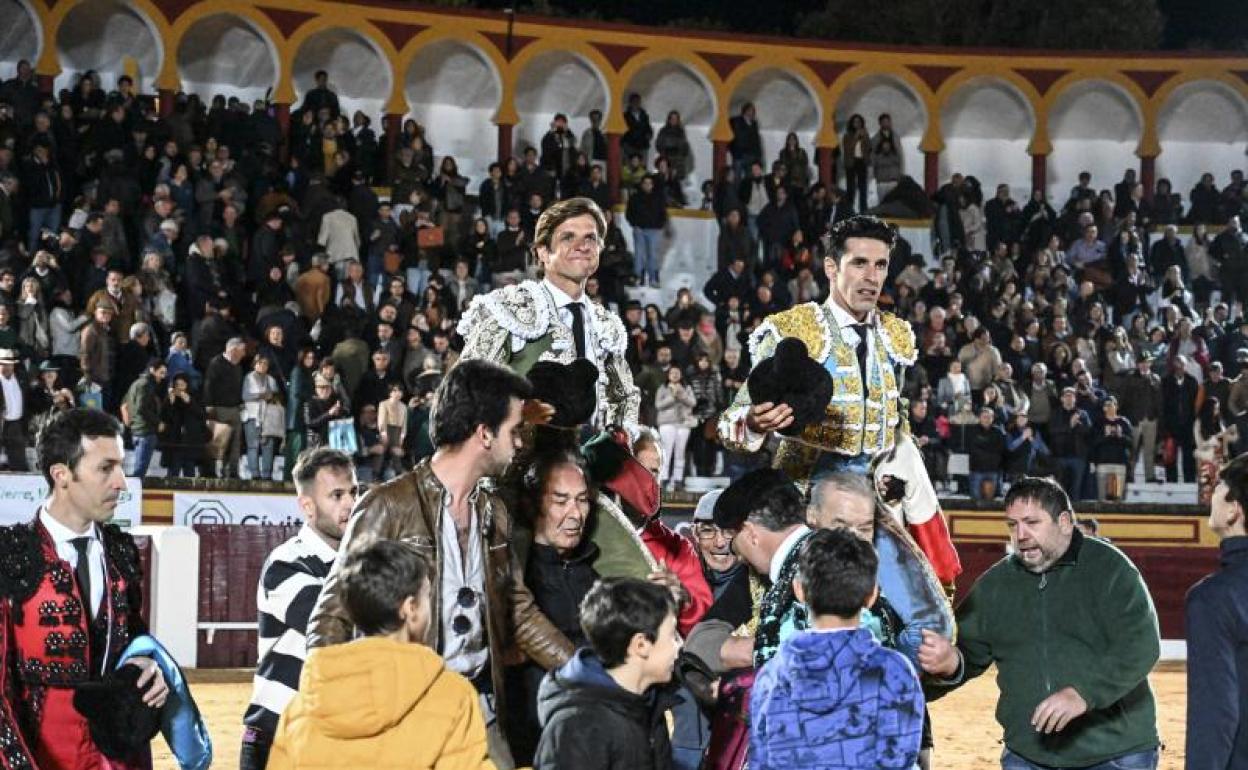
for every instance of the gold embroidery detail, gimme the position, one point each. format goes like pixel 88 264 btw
pixel 802 322
pixel 899 337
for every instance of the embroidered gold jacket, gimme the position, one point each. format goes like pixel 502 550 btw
pixel 862 418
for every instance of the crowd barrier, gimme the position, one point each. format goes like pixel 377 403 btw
pixel 219 578
pixel 201 573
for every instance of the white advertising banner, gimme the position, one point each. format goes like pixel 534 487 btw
pixel 21 494
pixel 207 507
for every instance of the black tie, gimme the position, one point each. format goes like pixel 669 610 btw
pixel 578 327
pixel 861 330
pixel 82 572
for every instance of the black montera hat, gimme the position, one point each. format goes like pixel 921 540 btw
pixel 792 377
pixel 570 388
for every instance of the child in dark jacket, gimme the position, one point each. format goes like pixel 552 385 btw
pixel 605 707
pixel 832 697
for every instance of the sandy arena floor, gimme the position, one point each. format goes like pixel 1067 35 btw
pixel 967 735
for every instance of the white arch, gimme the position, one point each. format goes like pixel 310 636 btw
pixel 557 82
pixel 1203 126
pixel 99 35
pixel 453 90
pixel 359 71
pixel 670 84
pixel 883 93
pixel 783 102
pixel 987 126
pixel 21 34
pixel 227 53
pixel 1094 126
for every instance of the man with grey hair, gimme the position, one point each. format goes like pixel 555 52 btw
pixel 906 578
pixel 1041 397
pixel 223 399
pixel 911 597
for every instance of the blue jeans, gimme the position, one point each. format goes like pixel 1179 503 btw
pixel 1140 760
pixel 144 445
pixel 1072 471
pixel 375 269
pixel 259 451
pixel 646 253
pixel 417 277
pixel 49 218
pixel 684 758
pixel 976 481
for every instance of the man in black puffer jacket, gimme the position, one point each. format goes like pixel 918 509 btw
pixel 604 708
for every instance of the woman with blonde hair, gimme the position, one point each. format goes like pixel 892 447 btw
pixel 34 326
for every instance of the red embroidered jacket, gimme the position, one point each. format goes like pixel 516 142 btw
pixel 45 638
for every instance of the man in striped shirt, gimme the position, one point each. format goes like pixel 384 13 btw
pixel 289 585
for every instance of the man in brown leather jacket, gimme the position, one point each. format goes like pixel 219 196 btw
pixel 447 507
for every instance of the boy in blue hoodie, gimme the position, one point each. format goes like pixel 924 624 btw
pixel 832 698
pixel 604 709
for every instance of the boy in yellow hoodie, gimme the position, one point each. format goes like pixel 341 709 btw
pixel 386 700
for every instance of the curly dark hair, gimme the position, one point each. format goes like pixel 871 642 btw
pixel 473 393
pixel 861 226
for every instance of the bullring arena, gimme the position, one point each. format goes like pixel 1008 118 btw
pixel 485 85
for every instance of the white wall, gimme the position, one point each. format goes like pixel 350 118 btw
pixel 782 103
pixel 667 86
pixel 1105 160
pixel 1183 163
pixel 556 83
pixel 1095 128
pixel 357 73
pixel 991 161
pixel 19 36
pixel 873 96
pixel 454 93
pixel 99 35
pixel 468 135
pixel 987 127
pixel 1202 127
pixel 224 55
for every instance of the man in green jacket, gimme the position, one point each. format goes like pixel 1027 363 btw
pixel 1072 630
pixel 140 411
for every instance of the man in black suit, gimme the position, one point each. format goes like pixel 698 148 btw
pixel 1178 396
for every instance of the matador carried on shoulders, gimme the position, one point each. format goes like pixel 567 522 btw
pixel 866 351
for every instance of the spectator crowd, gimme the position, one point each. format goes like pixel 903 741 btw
pixel 237 294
